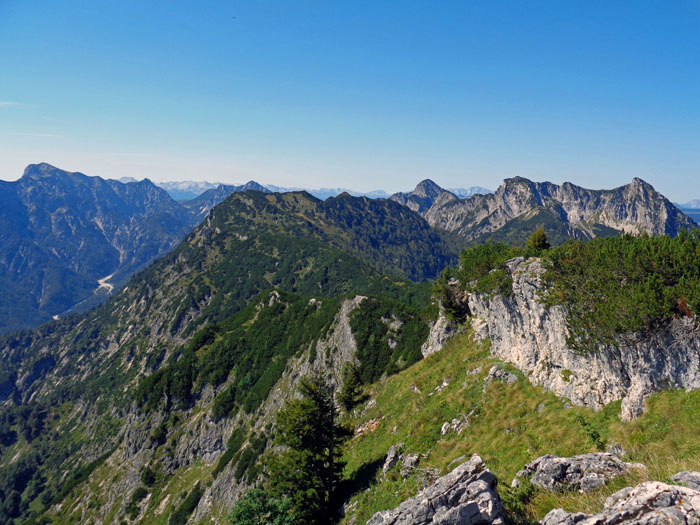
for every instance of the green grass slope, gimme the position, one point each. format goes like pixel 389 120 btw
pixel 510 425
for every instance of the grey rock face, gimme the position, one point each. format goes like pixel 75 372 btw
pixel 499 374
pixel 392 457
pixel 583 473
pixel 409 462
pixel 533 338
pixel 688 478
pixel 578 212
pixel 467 495
pixel 440 331
pixel 647 503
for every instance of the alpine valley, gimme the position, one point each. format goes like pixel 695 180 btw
pixel 523 355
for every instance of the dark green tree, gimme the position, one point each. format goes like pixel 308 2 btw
pixel 306 465
pixel 351 390
pixel 536 242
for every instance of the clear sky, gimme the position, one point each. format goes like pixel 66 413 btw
pixel 360 94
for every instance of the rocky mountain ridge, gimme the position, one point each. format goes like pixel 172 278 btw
pixel 520 205
pixel 63 232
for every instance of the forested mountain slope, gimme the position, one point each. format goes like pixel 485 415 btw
pixel 61 232
pixel 178 367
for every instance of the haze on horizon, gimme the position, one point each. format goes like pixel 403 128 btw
pixel 362 95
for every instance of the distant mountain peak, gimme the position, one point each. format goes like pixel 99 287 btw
pixel 206 201
pixel 428 188
pixel 423 196
pixel 41 170
pixel 638 183
pixel 252 185
pixel 692 204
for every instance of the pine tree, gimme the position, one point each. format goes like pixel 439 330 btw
pixel 351 389
pixel 536 242
pixel 306 464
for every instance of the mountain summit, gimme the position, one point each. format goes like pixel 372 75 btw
pixel 423 197
pixel 520 205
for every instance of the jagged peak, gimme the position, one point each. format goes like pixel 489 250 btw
pixel 517 184
pixel 638 183
pixel 253 185
pixel 516 180
pixel 428 188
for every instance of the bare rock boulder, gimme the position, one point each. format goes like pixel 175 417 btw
pixel 583 473
pixel 467 495
pixel 648 503
pixel 688 478
pixel 392 457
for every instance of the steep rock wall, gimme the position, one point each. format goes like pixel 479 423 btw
pixel 533 338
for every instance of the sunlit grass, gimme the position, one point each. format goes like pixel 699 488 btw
pixel 510 426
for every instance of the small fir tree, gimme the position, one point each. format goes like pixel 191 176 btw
pixel 536 242
pixel 351 390
pixel 306 465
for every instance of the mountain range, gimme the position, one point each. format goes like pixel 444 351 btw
pixel 186 190
pixel 158 405
pixel 189 190
pixel 566 211
pixel 69 240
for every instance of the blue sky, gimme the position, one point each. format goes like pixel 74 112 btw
pixel 362 94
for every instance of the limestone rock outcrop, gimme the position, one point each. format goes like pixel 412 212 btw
pixel 440 331
pixel 687 478
pixel 583 472
pixel 467 495
pixel 648 503
pixel 533 338
pixel 392 457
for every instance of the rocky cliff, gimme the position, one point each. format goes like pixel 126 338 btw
pixel 532 337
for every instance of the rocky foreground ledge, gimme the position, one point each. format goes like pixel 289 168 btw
pixel 582 473
pixel 648 503
pixel 468 495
